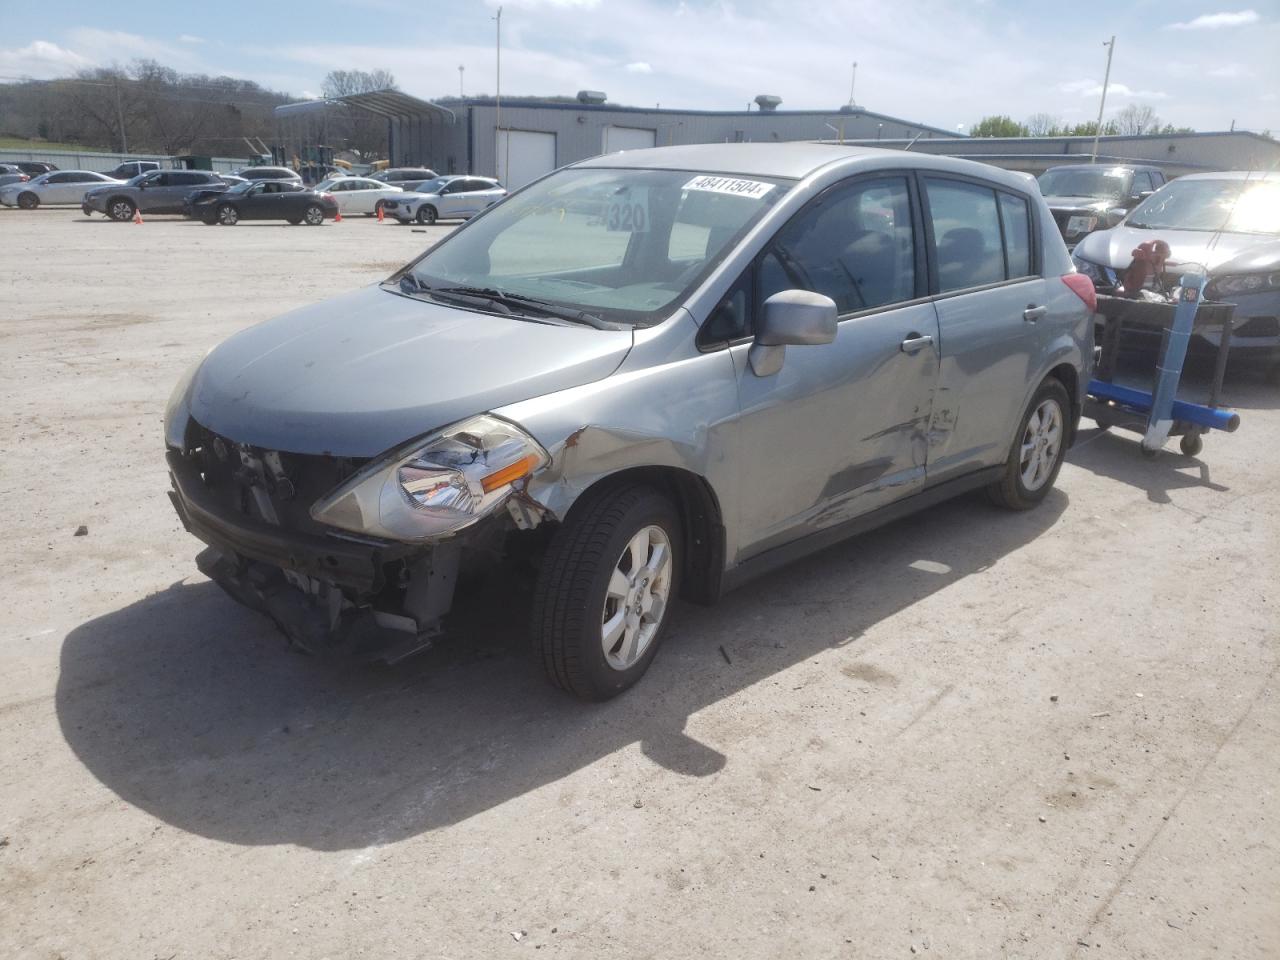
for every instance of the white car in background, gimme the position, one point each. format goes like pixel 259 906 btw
pixel 57 186
pixel 358 194
pixel 446 198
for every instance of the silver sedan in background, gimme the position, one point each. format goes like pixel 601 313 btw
pixel 59 186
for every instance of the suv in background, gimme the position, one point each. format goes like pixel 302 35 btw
pixel 663 372
pixel 32 168
pixel 1088 197
pixel 159 191
pixel 268 173
pixel 406 178
pixel 132 168
pixel 445 198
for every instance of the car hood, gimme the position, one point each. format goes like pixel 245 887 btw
pixel 366 371
pixel 1080 203
pixel 1218 252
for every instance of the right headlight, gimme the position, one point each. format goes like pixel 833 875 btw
pixel 1245 283
pixel 1091 270
pixel 438 486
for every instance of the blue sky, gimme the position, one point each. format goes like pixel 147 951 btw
pixel 1197 64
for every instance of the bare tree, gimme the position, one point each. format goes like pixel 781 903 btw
pixel 1136 119
pixel 343 83
pixel 1043 125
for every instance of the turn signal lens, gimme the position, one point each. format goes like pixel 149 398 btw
pixel 500 478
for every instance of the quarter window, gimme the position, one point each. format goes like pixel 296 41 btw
pixel 855 245
pixel 1017 235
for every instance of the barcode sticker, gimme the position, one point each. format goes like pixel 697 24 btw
pixel 752 189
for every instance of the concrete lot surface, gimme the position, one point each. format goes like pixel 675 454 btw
pixel 970 734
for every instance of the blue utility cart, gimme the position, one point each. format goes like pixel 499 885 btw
pixel 1159 414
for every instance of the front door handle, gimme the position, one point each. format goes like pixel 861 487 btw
pixel 915 342
pixel 1033 313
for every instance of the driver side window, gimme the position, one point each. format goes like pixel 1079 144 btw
pixel 854 244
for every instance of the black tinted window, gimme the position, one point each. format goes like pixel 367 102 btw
pixel 966 234
pixel 1016 218
pixel 855 245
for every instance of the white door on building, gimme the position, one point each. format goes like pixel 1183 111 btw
pixel 524 156
pixel 628 138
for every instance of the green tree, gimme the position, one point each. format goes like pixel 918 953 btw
pixel 998 126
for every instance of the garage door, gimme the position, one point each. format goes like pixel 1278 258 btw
pixel 627 138
pixel 524 156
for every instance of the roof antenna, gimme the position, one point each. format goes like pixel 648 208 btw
pixel 913 141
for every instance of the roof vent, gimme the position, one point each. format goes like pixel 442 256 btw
pixel 591 97
pixel 768 102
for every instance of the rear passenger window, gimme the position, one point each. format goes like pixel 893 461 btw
pixel 1017 235
pixel 966 234
pixel 855 245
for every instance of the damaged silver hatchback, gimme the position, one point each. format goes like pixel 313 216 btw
pixel 646 376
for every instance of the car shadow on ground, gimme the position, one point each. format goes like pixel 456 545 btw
pixel 189 707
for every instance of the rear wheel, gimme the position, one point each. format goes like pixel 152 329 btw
pixel 604 592
pixel 314 216
pixel 377 209
pixel 295 220
pixel 427 214
pixel 121 209
pixel 1037 453
pixel 228 215
pixel 28 201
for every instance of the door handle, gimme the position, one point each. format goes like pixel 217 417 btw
pixel 915 342
pixel 1033 313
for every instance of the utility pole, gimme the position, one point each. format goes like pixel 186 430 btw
pixel 124 140
pixel 852 81
pixel 461 70
pixel 1106 79
pixel 498 89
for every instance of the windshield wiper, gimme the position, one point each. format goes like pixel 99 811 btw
pixel 515 301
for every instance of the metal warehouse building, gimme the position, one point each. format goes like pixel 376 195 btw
pixel 521 140
pixel 1175 153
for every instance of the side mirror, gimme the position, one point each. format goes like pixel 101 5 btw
pixel 799 317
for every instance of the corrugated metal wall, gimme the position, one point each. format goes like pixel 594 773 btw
pixel 94 160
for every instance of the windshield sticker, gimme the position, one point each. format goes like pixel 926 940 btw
pixel 752 189
pixel 628 211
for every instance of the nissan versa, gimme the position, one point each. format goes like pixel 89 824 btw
pixel 657 374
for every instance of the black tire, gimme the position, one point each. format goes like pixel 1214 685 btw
pixel 427 215
pixel 211 220
pixel 120 209
pixel 295 220
pixel 313 216
pixel 1011 490
pixel 570 595
pixel 28 201
pixel 228 215
pixel 1191 444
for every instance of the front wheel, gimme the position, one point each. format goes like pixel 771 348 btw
pixel 604 593
pixel 228 215
pixel 121 210
pixel 28 201
pixel 1037 453
pixel 427 214
pixel 314 216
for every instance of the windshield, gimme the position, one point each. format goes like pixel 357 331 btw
pixel 1232 206
pixel 431 186
pixel 329 184
pixel 241 187
pixel 1099 182
pixel 623 245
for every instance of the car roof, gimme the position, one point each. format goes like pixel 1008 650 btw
pixel 1273 177
pixel 1107 166
pixel 794 160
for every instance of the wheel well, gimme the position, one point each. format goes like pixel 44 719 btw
pixel 1069 377
pixel 112 200
pixel 700 520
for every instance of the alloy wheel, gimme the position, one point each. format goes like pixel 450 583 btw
pixel 636 598
pixel 1041 444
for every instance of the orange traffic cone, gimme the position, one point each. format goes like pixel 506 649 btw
pixel 379 213
pixel 337 217
pixel 137 215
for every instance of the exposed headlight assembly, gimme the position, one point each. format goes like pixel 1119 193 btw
pixel 1091 270
pixel 1245 283
pixel 437 486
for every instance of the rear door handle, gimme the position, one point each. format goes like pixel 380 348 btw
pixel 916 342
pixel 1033 313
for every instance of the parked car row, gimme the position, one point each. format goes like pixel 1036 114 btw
pixel 1084 198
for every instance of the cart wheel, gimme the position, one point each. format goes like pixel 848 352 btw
pixel 1100 425
pixel 1191 444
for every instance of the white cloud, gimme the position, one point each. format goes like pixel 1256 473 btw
pixel 1092 88
pixel 1216 21
pixel 188 38
pixel 110 46
pixel 41 60
pixel 639 67
pixel 1230 71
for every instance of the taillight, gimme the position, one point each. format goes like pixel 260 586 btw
pixel 1083 288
